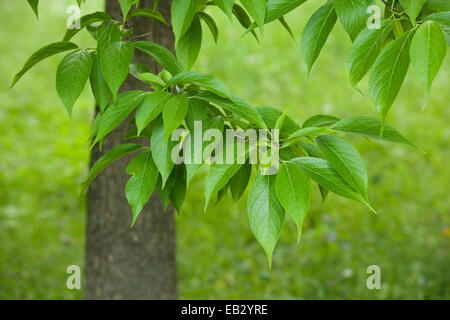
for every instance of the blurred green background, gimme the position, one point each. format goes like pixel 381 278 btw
pixel 44 156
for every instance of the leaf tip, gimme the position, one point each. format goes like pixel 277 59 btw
pixel 419 149
pixel 13 83
pixel 299 235
pixel 427 98
pixel 269 258
pixel 370 208
pixel 82 190
pixel 355 86
pixel 382 127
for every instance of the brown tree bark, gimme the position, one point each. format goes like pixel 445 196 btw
pixel 123 263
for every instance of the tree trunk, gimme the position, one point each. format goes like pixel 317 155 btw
pixel 123 263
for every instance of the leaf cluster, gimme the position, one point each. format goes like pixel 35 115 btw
pixel 312 152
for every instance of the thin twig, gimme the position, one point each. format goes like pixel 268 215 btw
pixel 142 35
pixel 390 7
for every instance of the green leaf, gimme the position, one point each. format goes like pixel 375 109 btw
pixel 313 151
pixel 217 178
pixel 320 120
pixel 287 27
pixel 278 8
pixel 119 111
pixel 86 21
pixel 270 116
pixel 371 127
pixel 428 50
pixel 133 134
pixel 94 30
pixel 162 151
pixel 413 8
pixel 71 77
pixel 161 55
pixel 149 14
pixel 42 54
pixel 222 193
pixel 198 111
pixel 98 84
pixel 353 15
pixel 191 168
pixel 115 62
pixel 150 108
pixel 265 213
pixel 306 132
pixel 151 78
pixel 95 125
pixel 226 6
pixel 293 192
pixel 137 69
pixel 173 113
pixel 107 35
pixel 237 106
pixel 366 49
pixel 240 181
pixel 347 162
pixel 182 12
pixel 316 33
pixel 140 186
pixel 323 192
pixel 188 47
pixel 443 18
pixel 280 122
pixel 389 72
pixel 125 5
pixel 211 24
pixel 257 10
pixel 34 4
pixel 438 5
pixel 398 29
pixel 207 82
pixel 323 173
pixel 178 192
pixel 165 192
pixel 244 20
pixel 112 155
